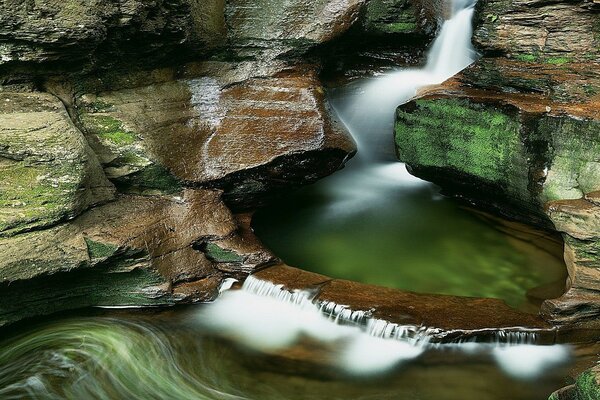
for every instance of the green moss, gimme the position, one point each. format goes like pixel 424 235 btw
pixel 478 140
pixel 398 27
pixel 587 387
pixel 390 16
pixel 152 177
pixel 558 60
pixel 108 129
pixel 218 254
pixel 99 250
pixel 38 195
pixel 526 57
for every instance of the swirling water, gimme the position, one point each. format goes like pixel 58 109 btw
pixel 172 355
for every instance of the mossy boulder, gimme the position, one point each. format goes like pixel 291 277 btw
pixel 586 387
pixel 247 135
pixel 48 173
pixel 498 154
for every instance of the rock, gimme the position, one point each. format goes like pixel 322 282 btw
pixel 554 32
pixel 586 387
pixel 524 156
pixel 136 251
pixel 570 82
pixel 445 315
pixel 521 156
pixel 48 173
pixel 383 17
pixel 289 24
pixel 248 137
pixel 50 36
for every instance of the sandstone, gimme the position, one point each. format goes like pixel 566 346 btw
pixel 248 138
pixel 444 314
pixel 48 173
pixel 135 251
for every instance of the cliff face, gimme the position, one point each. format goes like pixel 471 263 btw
pixel 132 131
pixel 518 132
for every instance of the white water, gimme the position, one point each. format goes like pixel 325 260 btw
pixel 367 109
pixel 267 317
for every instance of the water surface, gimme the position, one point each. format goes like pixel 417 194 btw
pixel 170 356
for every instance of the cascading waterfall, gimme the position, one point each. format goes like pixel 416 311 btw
pixel 367 109
pixel 268 317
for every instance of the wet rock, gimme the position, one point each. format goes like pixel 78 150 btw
pixel 136 251
pixel 506 153
pixel 516 150
pixel 49 36
pixel 248 137
pixel 555 32
pixel 444 314
pixel 289 24
pixel 415 17
pixel 48 173
pixel 586 387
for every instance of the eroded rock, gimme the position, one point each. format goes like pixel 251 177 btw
pixel 48 173
pixel 135 251
pixel 247 137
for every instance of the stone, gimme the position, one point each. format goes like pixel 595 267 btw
pixel 555 32
pixel 521 155
pixel 444 314
pixel 48 173
pixel 384 17
pixel 50 36
pixel 135 251
pixel 288 23
pixel 249 137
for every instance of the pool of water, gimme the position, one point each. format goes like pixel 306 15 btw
pixel 375 223
pixel 170 355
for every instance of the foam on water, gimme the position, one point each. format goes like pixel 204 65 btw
pixel 266 316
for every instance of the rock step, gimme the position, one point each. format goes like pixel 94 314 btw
pixel 454 318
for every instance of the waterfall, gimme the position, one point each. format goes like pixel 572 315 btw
pixel 269 317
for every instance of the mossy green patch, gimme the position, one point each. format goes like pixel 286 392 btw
pixel 108 129
pixel 558 60
pixel 36 194
pixel 587 387
pixel 218 254
pixel 526 57
pixel 99 250
pixel 151 177
pixel 390 16
pixel 478 140
pixel 575 169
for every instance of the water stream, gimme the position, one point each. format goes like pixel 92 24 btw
pixel 371 222
pixel 375 223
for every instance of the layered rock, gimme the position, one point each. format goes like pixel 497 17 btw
pixel 135 251
pixel 248 137
pixel 48 173
pixel 518 132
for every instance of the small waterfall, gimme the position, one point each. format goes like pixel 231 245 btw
pixel 267 316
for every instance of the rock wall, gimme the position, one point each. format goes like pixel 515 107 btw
pixel 518 132
pixel 130 130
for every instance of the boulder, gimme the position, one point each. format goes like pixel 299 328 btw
pixel 248 136
pixel 135 251
pixel 552 32
pixel 48 173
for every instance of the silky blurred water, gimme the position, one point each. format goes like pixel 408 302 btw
pixel 171 355
pixel 375 223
